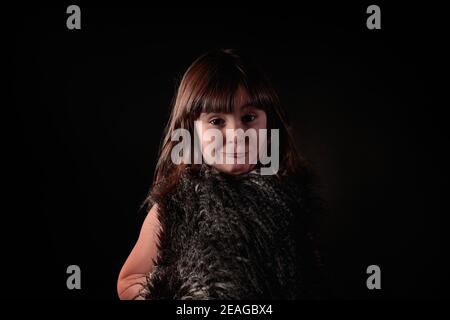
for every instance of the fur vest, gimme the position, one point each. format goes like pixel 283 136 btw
pixel 234 237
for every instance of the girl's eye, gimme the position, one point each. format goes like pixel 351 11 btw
pixel 216 122
pixel 248 118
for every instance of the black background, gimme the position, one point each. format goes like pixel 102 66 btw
pixel 90 106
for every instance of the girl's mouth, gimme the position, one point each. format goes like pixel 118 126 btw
pixel 236 155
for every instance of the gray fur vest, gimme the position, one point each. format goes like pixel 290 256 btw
pixel 233 237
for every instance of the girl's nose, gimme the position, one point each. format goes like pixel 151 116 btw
pixel 231 136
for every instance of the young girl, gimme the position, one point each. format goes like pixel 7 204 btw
pixel 223 229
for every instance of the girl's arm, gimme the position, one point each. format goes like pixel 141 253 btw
pixel 139 262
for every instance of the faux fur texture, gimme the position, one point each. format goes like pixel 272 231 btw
pixel 233 237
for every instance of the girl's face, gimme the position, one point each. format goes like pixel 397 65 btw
pixel 244 117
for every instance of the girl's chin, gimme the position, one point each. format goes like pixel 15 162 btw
pixel 235 169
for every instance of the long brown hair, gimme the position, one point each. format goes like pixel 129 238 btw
pixel 210 85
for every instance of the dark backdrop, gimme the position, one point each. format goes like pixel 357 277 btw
pixel 90 106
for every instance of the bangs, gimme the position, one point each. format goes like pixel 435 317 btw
pixel 226 98
pixel 222 84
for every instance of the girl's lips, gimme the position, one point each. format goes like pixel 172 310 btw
pixel 236 155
